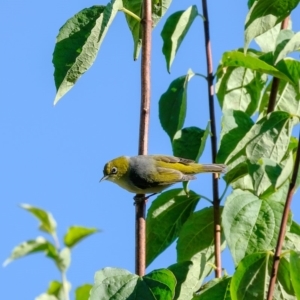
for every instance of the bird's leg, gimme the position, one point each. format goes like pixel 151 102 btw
pixel 138 198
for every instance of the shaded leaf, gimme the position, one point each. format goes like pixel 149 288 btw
pixel 76 233
pixel 295 269
pixel 48 224
pixel 78 42
pixel 282 40
pixel 291 68
pixel 293 44
pixel 40 244
pixel 172 105
pixel 165 218
pixel 175 30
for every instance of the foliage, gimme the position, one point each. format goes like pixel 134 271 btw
pixel 256 144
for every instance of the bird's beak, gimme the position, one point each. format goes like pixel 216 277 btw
pixel 103 178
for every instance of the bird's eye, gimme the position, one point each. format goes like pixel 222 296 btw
pixel 114 170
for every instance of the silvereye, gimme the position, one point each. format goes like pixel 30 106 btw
pixel 145 174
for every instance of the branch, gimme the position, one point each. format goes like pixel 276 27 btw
pixel 275 82
pixel 216 200
pixel 140 207
pixel 284 220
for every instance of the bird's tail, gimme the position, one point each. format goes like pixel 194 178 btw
pixel 213 168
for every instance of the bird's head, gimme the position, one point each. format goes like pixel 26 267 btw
pixel 115 169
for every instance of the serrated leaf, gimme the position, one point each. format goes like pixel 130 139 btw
pixel 78 43
pixel 172 105
pixel 111 283
pixel 187 277
pixel 159 8
pixel 76 233
pixel 252 276
pixel 48 223
pixel 250 224
pixel 175 30
pixel 295 269
pixel 240 89
pixel 238 59
pixel 64 259
pixel 83 292
pixel 40 244
pixel 264 15
pixel 218 288
pixel 196 235
pixel 165 217
pixel 293 44
pixel 189 142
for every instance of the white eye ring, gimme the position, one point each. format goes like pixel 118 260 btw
pixel 114 170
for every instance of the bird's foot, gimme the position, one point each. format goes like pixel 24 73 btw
pixel 140 198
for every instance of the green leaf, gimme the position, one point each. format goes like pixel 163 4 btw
pixel 172 105
pixel 83 292
pixel 239 88
pixel 218 288
pixel 76 233
pixel 291 45
pixel 295 268
pixel 48 224
pixel 250 224
pixel 283 38
pixel 111 283
pixel 64 259
pixel 187 277
pixel 40 244
pixel 78 43
pixel 267 40
pixel 159 8
pixel 54 288
pixel 196 236
pixel 264 15
pixel 252 276
pixel 175 30
pixel 168 212
pixel 189 142
pixel 235 126
pixel 238 59
pixel 291 68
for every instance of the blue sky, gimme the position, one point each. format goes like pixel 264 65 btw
pixel 52 157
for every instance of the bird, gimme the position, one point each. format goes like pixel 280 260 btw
pixel 144 174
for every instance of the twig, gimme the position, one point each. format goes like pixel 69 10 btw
pixel 140 207
pixel 275 82
pixel 216 200
pixel 282 229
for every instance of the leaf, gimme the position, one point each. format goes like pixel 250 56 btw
pixel 78 43
pixel 252 276
pixel 83 292
pixel 250 224
pixel 189 142
pixel 239 88
pixel 76 233
pixel 175 30
pixel 187 277
pixel 48 223
pixel 196 236
pixel 264 15
pixel 283 38
pixel 46 297
pixel 235 126
pixel 111 283
pixel 291 68
pixel 165 217
pixel 64 259
pixel 54 288
pixel 159 8
pixel 292 44
pixel 172 105
pixel 217 288
pixel 295 268
pixel 267 40
pixel 40 244
pixel 238 59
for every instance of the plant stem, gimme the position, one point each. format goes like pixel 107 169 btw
pixel 65 285
pixel 275 82
pixel 130 13
pixel 140 207
pixel 282 229
pixel 216 200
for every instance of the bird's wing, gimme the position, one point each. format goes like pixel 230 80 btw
pixel 172 159
pixel 167 176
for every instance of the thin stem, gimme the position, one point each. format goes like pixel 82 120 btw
pixel 275 82
pixel 140 207
pixel 65 285
pixel 282 228
pixel 130 13
pixel 215 183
